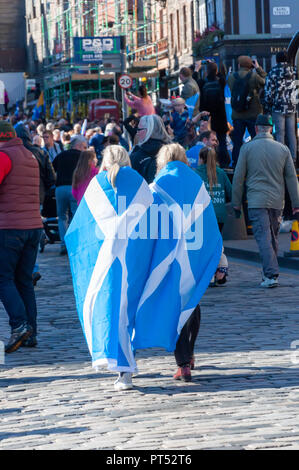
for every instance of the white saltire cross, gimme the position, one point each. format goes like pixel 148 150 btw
pixel 114 246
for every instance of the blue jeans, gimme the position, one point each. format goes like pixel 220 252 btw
pixel 66 208
pixel 265 227
pixel 240 126
pixel 285 131
pixel 18 251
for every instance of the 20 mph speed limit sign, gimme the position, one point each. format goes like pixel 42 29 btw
pixel 125 81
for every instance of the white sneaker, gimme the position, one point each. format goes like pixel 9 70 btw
pixel 124 381
pixel 269 282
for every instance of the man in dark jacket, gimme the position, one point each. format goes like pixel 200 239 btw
pixel 46 171
pixel 212 100
pixel 246 119
pixel 64 165
pixel 280 101
pixel 20 231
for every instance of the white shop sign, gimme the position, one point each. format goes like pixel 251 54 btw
pixel 281 11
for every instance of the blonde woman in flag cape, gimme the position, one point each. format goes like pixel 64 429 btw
pixel 110 261
pixel 182 264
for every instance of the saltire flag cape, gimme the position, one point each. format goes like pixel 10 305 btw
pixel 182 266
pixel 109 264
pixel 138 291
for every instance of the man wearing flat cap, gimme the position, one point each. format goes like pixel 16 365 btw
pixel 265 166
pixel 250 70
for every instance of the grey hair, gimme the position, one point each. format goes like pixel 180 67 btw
pixel 78 139
pixel 155 129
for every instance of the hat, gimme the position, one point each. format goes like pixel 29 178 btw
pixel 7 132
pixel 177 101
pixel 264 120
pixel 245 61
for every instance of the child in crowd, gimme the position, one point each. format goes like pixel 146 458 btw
pixel 220 190
pixel 85 170
pixel 178 120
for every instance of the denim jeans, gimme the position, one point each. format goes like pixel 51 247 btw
pixel 66 208
pixel 265 227
pixel 240 126
pixel 285 131
pixel 18 251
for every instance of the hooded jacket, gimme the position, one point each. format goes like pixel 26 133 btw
pixel 143 159
pixel 280 89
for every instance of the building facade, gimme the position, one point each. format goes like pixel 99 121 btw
pixel 161 37
pixel 258 28
pixel 12 48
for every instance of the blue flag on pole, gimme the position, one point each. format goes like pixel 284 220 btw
pixel 183 265
pixel 191 103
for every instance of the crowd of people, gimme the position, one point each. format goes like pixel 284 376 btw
pixel 198 135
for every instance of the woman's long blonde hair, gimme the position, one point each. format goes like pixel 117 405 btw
pixel 170 153
pixel 209 158
pixel 114 157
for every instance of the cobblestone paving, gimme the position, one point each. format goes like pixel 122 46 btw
pixel 244 393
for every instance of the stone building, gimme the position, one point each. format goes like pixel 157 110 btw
pixel 12 48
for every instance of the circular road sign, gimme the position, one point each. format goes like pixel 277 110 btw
pixel 125 81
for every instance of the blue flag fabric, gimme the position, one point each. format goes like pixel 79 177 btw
pixel 136 288
pixel 182 266
pixel 110 265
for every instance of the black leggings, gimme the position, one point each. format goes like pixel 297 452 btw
pixel 185 345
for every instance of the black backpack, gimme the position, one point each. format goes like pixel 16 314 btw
pixel 240 97
pixel 212 95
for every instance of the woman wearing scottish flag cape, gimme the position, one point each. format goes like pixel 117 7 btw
pixel 182 264
pixel 137 284
pixel 109 262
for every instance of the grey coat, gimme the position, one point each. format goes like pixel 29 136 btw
pixel 265 165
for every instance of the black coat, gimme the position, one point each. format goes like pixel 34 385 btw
pixel 218 117
pixel 143 159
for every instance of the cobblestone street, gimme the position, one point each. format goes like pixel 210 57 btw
pixel 244 393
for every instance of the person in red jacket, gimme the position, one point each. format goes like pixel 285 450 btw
pixel 20 231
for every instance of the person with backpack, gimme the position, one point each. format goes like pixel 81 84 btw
pixel 212 100
pixel 245 86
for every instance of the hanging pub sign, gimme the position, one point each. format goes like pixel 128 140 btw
pixel 92 50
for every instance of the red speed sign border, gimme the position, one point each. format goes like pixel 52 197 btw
pixel 125 81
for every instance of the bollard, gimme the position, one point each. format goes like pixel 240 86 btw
pixel 294 245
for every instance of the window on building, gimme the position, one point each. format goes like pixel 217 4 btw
pixel 202 17
pixel 161 25
pixel 34 8
pixel 185 25
pixel 171 31
pixel 178 29
pixel 211 12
